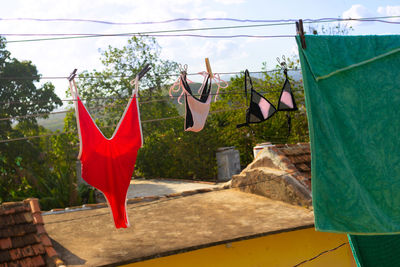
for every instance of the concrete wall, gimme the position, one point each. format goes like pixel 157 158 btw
pixel 284 249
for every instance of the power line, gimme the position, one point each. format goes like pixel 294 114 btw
pixel 179 20
pixel 155 35
pixel 161 32
pixel 146 33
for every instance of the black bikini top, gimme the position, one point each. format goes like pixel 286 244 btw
pixel 260 108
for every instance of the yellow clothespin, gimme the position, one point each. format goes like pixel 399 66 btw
pixel 209 68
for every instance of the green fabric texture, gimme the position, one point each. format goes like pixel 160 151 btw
pixel 352 91
pixel 378 250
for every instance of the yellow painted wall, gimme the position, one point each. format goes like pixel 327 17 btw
pixel 284 249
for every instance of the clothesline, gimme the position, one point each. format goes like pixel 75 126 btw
pixel 144 121
pixel 165 99
pixel 79 76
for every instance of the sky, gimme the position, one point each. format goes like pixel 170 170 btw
pixel 59 58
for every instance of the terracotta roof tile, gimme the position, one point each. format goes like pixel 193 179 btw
pixel 37 218
pixel 45 240
pixel 34 204
pixel 15 254
pixel 27 251
pixel 20 230
pixel 38 249
pixel 38 261
pixel 4 256
pixel 40 229
pixel 51 251
pixel 19 241
pixel 296 157
pixel 21 224
pixel 5 243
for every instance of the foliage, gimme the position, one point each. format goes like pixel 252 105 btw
pixel 338 29
pixel 112 93
pixel 178 154
pixel 86 193
pixel 23 163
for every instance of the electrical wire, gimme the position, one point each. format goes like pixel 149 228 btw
pixel 180 19
pixel 160 33
pixel 144 33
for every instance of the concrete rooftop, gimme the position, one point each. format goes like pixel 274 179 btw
pixel 170 226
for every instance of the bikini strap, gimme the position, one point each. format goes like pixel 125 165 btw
pixel 136 83
pixel 218 81
pixel 179 86
pixel 74 89
pixel 247 76
pixel 216 78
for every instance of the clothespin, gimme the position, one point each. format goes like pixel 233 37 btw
pixel 283 64
pixel 72 75
pixel 144 71
pixel 208 67
pixel 300 32
pixel 141 73
pixel 183 68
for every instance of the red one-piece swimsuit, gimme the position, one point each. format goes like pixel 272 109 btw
pixel 108 164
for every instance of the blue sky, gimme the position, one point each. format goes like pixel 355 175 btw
pixel 58 58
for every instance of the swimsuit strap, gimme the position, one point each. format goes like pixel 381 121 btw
pixel 247 76
pixel 136 82
pixel 74 89
pixel 178 83
pixel 217 80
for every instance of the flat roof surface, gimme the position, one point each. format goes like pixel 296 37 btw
pixel 170 226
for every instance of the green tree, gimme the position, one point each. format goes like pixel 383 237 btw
pixel 22 162
pixel 111 88
pixel 274 130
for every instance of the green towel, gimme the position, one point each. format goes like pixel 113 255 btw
pixel 378 250
pixel 352 90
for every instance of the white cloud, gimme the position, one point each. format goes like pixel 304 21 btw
pixel 390 11
pixel 356 12
pixel 230 2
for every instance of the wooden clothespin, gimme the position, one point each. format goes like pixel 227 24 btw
pixel 72 75
pixel 300 32
pixel 209 68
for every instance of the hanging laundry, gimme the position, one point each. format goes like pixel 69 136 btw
pixel 286 99
pixel 196 109
pixel 108 164
pixel 352 91
pixel 260 108
pixel 376 250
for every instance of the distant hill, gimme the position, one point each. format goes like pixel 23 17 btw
pixel 53 122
